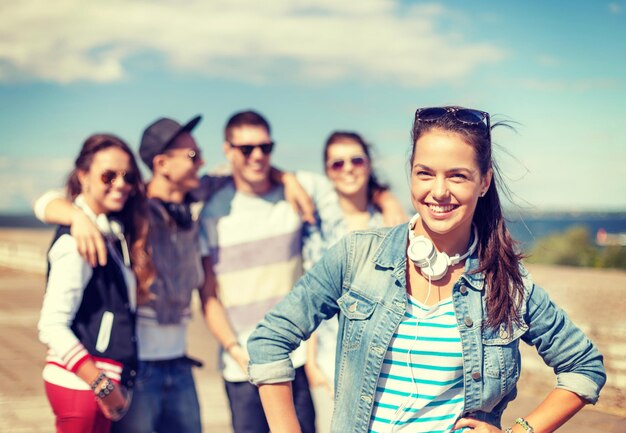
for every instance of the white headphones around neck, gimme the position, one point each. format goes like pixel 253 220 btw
pixel 109 227
pixel 431 262
pixel 113 229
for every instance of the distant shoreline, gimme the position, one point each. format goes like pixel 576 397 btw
pixel 21 220
pixel 526 227
pixel 27 219
pixel 560 214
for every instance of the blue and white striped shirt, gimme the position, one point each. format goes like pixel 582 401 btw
pixel 420 388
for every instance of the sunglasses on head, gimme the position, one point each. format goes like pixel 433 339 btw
pixel 247 149
pixel 108 177
pixel 466 116
pixel 338 164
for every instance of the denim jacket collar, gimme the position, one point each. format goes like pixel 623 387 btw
pixel 389 256
pixel 476 280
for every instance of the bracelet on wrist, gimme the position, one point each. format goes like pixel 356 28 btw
pixel 97 381
pixel 522 423
pixel 106 389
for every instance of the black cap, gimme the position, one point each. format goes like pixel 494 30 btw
pixel 160 134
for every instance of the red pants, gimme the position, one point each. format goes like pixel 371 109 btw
pixel 76 411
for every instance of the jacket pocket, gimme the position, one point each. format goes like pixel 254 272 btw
pixel 501 351
pixel 501 362
pixel 357 309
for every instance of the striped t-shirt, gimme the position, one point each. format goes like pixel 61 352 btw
pixel 255 244
pixel 420 388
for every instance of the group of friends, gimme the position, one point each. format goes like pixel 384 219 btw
pixel 334 311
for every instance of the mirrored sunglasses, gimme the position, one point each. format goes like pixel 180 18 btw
pixel 194 155
pixel 247 149
pixel 108 177
pixel 338 164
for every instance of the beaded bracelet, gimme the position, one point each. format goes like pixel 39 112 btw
pixel 106 389
pixel 522 422
pixel 97 381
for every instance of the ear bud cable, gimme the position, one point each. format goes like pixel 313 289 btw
pixel 398 414
pixel 429 289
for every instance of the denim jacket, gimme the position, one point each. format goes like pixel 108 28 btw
pixel 362 279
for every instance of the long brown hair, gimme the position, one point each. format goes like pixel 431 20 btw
pixel 498 252
pixel 133 214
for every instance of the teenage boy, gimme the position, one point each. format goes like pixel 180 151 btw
pixel 252 240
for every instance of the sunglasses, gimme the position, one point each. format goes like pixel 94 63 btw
pixel 247 149
pixel 193 155
pixel 466 116
pixel 338 164
pixel 109 176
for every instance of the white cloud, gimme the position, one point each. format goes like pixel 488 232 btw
pixel 582 85
pixel 318 41
pixel 615 8
pixel 548 60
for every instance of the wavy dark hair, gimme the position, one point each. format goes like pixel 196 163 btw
pixel 134 213
pixel 373 184
pixel 498 252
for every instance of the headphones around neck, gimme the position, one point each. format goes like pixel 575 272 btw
pixel 431 262
pixel 110 228
pixel 180 213
pixel 113 230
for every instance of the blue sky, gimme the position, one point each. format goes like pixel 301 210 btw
pixel 556 68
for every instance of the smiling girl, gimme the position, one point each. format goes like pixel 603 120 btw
pixel 348 165
pixel 431 314
pixel 88 314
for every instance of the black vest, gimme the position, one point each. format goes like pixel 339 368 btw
pixel 106 291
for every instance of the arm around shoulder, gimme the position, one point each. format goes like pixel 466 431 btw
pixel 209 185
pixel 295 194
pixel 54 208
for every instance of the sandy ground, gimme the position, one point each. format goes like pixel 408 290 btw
pixel 596 301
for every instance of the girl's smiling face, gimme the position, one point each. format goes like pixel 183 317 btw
pixel 347 167
pixel 446 183
pixel 109 181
